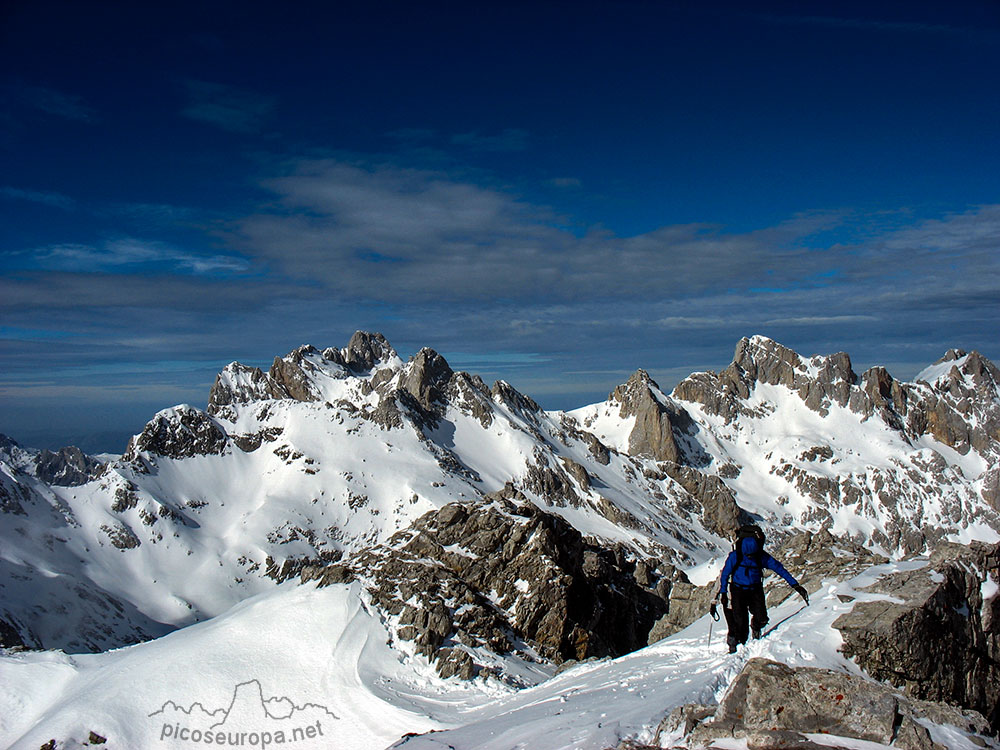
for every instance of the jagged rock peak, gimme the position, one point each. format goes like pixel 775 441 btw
pixel 635 393
pixel 240 384
pixel 426 377
pixel 180 432
pixel 653 433
pixel 765 360
pixel 506 393
pixel 819 380
pixel 69 467
pixel 365 350
pixel 959 371
pixel 290 378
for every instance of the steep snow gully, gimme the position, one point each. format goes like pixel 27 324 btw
pixel 353 551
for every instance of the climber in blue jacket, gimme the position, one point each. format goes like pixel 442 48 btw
pixel 742 588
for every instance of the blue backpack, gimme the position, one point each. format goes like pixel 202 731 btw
pixel 750 531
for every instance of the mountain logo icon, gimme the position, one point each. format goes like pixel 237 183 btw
pixel 249 721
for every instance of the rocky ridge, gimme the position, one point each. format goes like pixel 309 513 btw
pixel 771 705
pixel 936 634
pixel 925 468
pixel 470 581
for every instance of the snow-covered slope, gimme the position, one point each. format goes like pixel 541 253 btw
pixel 321 651
pixel 299 657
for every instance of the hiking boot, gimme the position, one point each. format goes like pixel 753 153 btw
pixel 756 633
pixel 732 648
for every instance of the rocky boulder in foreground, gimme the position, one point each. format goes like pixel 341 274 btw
pixel 938 636
pixel 772 705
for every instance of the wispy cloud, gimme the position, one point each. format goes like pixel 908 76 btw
pixel 124 255
pixel 820 320
pixel 57 200
pixel 59 104
pixel 236 110
pixel 565 182
pixel 460 241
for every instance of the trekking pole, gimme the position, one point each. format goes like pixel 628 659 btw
pixel 715 618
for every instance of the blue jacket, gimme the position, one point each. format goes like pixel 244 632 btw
pixel 751 567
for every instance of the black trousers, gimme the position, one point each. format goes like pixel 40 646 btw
pixel 745 603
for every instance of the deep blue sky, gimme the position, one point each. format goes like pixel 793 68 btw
pixel 551 193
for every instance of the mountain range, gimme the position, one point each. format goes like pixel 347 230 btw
pixel 488 542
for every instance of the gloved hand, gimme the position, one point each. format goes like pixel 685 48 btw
pixel 800 590
pixel 714 612
pixel 725 601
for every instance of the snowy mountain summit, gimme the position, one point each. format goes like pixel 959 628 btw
pixel 482 539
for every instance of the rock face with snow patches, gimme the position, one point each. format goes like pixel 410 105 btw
pixel 771 705
pixel 937 633
pixel 467 582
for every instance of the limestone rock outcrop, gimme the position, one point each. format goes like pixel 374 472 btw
pixel 653 433
pixel 772 705
pixel 502 573
pixel 181 432
pixel 68 467
pixel 937 632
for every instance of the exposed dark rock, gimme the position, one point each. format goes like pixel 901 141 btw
pixel 653 433
pixel 387 414
pixel 772 705
pixel 126 498
pixel 577 471
pixel 497 574
pixel 239 384
pixel 13 495
pixel 880 394
pixel 334 355
pixel 326 574
pixel 469 394
pixel 70 467
pixel 516 401
pixel 426 378
pixel 365 350
pixel 720 513
pixel 943 641
pixel 549 483
pixel 180 432
pixel 290 375
pixel 685 604
pixel 121 536
pixel 10 637
pixel 251 442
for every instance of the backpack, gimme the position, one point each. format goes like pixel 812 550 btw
pixel 748 531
